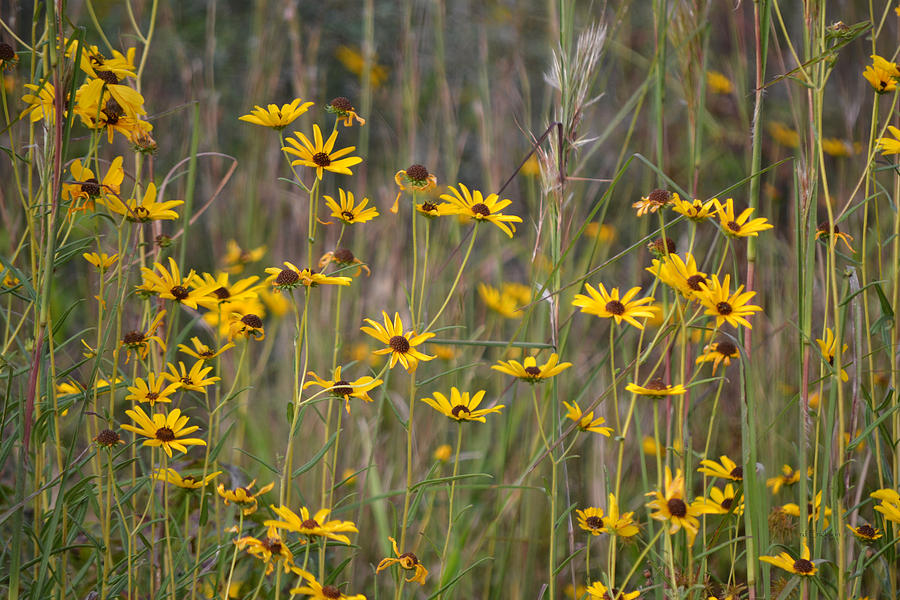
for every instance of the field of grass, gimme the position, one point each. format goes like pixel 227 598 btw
pixel 444 299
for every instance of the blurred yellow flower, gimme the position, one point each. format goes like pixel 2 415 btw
pixel 354 62
pixel 783 134
pixel 718 83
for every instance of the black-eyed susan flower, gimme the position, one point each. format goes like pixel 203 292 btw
pixel 348 211
pixel 292 276
pixel 203 351
pixel 586 421
pixel 788 477
pixel 9 280
pixel 243 497
pixel 221 319
pixel 718 352
pixel 196 378
pixel 344 258
pixel 725 306
pixel 276 117
pixel 343 109
pixel 742 225
pixel 139 341
pixel 653 201
pixel 528 370
pixel 661 247
pixel 107 438
pixel 724 469
pixel 401 346
pixel 482 208
pixel 321 155
pixel 407 561
pixel 95 65
pixel 835 234
pixel 415 178
pixel 315 590
pixel 500 303
pixel 882 74
pixel 143 210
pixel 85 187
pixel 8 57
pixel 237 258
pixel 591 520
pixel 723 501
pixel 656 388
pixel 717 83
pixel 609 305
pixel 670 505
pixel 461 406
pixel 431 210
pixel 163 430
pixel 341 388
pixel 889 505
pixel 222 290
pixel 246 326
pixel 888 145
pixel 270 549
pixel 41 103
pixel 618 524
pixel 598 591
pixel 802 566
pixel 696 210
pixel 865 532
pixel 814 510
pixel 315 526
pixel 828 347
pixel 354 61
pixel 188 482
pixel 157 388
pixel 170 285
pixel 680 274
pixel 101 261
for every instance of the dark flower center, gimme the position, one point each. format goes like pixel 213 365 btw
pixel 108 437
pixel 656 384
pixel 737 473
pixel 615 307
pixel 309 524
pixel 460 408
pixel 417 173
pixel 113 109
pixel 342 104
pixel 189 479
pixel 164 434
pixel 533 371
pixel 6 52
pixel 329 591
pixel 208 353
pixel 481 209
pixel 400 344
pixel 186 380
pixel 677 507
pixel 866 531
pixel 343 255
pixel 694 282
pixel 133 338
pixel 287 277
pixel 726 348
pixel 222 293
pixel 321 159
pixel 108 77
pixel 272 545
pixel 733 225
pixel 342 388
pixel 91 187
pixel 662 246
pixel 252 320
pixel 659 197
pixel 408 558
pixel 429 207
pixel 594 522
pixel 726 503
pixel 803 566
pixel 348 215
pixel 724 308
pixel 152 396
pixel 179 292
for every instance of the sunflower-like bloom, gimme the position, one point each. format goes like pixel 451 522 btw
pixel 138 341
pixel 499 302
pixel 341 388
pixel 670 506
pixel 246 326
pixel 293 276
pixel 315 590
pixel 742 226
pixel 882 74
pixel 598 591
pixel 834 234
pixel 237 258
pixel 415 178
pixel 724 469
pixel 407 561
pixel 348 211
pixel 431 210
pixel 696 210
pixel 725 306
pixel 814 510
pixel 653 201
pixel 320 155
pixel 528 370
pixel 317 526
pixel 98 66
pixel 163 430
pixel 188 482
pixel 201 351
pixel 679 274
pixel 270 549
pixel 788 477
pixel 401 346
pixel 718 352
pixel 828 346
pixel 275 117
pixel 145 209
pixel 723 501
pixel 616 524
pixel 343 109
pixel 243 496
pixel 802 566
pixel 102 261
pixel 605 304
pixel 41 104
pixel 482 208
pixel 87 188
pixel 460 406
pixel 154 390
pixel 656 388
pixel 586 421
pixel 344 258
pixel 889 145
pixel 865 533
pixel 889 505
pixel 195 379
pixel 591 520
pixel 222 290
